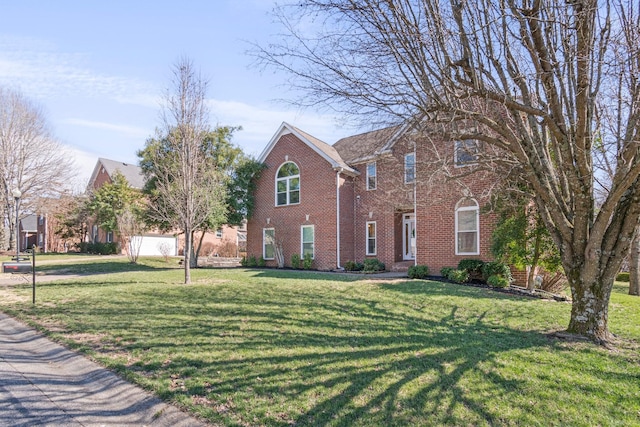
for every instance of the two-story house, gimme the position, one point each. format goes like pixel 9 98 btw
pixel 380 195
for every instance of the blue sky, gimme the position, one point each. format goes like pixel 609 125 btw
pixel 99 68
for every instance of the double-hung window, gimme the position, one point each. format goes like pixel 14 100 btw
pixel 372 174
pixel 288 184
pixel 467 227
pixel 268 243
pixel 307 239
pixel 371 238
pixel 409 168
pixel 466 152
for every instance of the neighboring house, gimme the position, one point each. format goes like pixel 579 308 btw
pixel 154 243
pixel 371 195
pixel 33 229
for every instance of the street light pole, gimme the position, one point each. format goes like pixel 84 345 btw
pixel 16 195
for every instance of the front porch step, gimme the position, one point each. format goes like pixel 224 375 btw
pixel 402 265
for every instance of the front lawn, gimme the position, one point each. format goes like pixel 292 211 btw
pixel 276 348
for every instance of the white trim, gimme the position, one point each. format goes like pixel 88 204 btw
pixel 337 220
pixel 264 232
pixel 375 238
pixel 313 243
pixel 409 218
pixel 475 208
pixel 285 129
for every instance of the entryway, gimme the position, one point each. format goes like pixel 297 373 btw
pixel 408 236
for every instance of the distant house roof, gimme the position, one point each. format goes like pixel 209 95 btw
pixel 132 173
pixel 29 224
pixel 325 150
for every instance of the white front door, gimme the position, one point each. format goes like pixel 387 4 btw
pixel 408 237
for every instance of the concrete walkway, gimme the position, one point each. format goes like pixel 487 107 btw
pixel 43 383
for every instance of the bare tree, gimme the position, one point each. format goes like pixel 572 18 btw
pixel 31 160
pixel 130 229
pixel 189 188
pixel 533 78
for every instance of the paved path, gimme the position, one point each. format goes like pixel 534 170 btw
pixel 43 383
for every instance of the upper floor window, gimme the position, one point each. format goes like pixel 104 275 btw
pixel 371 176
pixel 467 227
pixel 409 168
pixel 466 152
pixel 288 184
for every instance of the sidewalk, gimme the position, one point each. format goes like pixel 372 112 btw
pixel 43 383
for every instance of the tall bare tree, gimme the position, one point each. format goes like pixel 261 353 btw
pixel 31 160
pixel 189 188
pixel 534 78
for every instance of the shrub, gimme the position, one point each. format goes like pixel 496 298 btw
pixel 472 266
pixel 623 277
pixel 458 276
pixel 373 265
pixel 353 266
pixel 98 248
pixel 498 281
pixel 444 271
pixel 252 261
pixel 495 268
pixel 243 261
pixel 418 272
pixel 295 261
pixel 261 262
pixel 307 261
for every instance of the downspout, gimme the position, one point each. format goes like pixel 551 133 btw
pixel 338 218
pixel 415 200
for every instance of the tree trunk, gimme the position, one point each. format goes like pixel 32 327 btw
pixel 187 256
pixel 590 308
pixel 634 265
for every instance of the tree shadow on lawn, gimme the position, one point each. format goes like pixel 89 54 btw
pixel 358 363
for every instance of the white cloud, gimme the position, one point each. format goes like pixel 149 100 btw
pixel 130 131
pixel 45 72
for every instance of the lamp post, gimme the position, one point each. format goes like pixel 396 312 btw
pixel 16 195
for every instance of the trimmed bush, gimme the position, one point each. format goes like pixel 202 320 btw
pixel 353 266
pixel 295 261
pixel 444 271
pixel 458 276
pixel 473 267
pixel 418 272
pixel 98 248
pixel 495 268
pixel 498 281
pixel 243 261
pixel 261 262
pixel 252 261
pixel 307 261
pixel 623 277
pixel 373 265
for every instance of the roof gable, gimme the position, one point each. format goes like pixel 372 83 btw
pixel 132 173
pixel 326 151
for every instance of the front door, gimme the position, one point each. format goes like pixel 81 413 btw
pixel 408 236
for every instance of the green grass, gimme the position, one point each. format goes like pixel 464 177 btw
pixel 277 348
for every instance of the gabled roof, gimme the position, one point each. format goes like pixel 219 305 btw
pixel 326 151
pixel 132 173
pixel 366 146
pixel 29 224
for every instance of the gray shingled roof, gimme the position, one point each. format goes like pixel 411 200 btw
pixel 132 173
pixel 29 223
pixel 364 146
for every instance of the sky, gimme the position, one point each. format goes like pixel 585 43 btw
pixel 99 69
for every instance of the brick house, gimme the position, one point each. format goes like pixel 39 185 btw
pixel 221 240
pixel 372 195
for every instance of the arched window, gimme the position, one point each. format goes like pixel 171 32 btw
pixel 467 227
pixel 288 184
